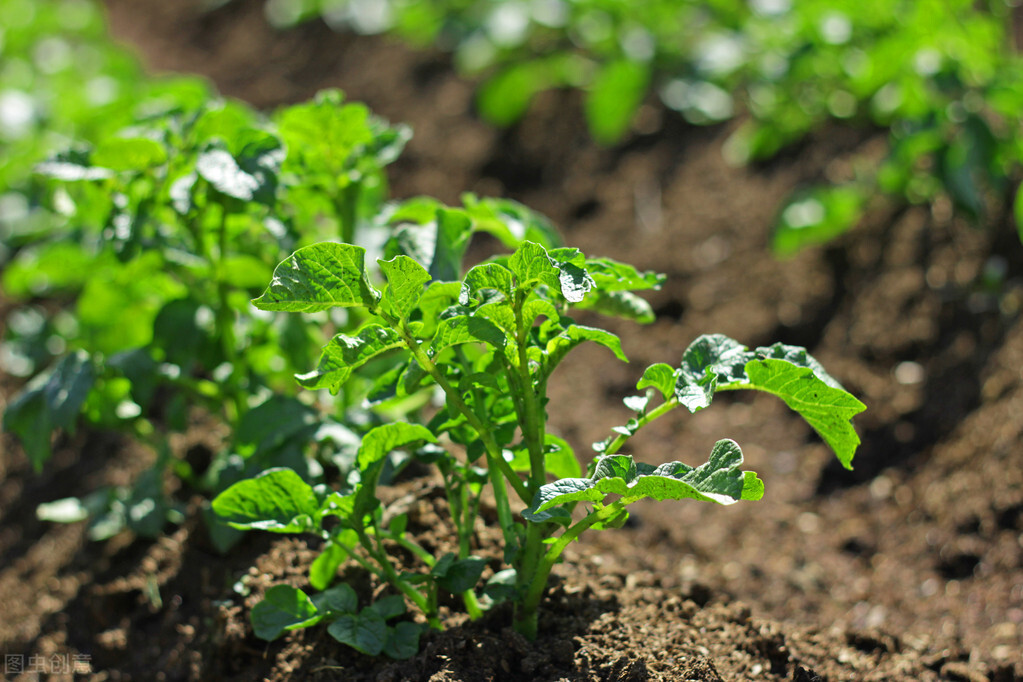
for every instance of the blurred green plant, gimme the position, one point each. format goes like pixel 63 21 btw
pixel 168 228
pixel 941 75
pixel 61 78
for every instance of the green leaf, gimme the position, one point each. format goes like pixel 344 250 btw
pixel 391 606
pixel 278 500
pixel 383 439
pixel 126 154
pixel 52 400
pixel 320 277
pixel 826 408
pixel 322 136
pixel 560 345
pixel 244 271
pixel 538 307
pixel 405 280
pixel 474 328
pixel 616 93
pixel 438 237
pixel 324 567
pixel 714 362
pixel 798 356
pixel 276 421
pixel 719 480
pixel 511 222
pixel 72 166
pixel 403 640
pixel 504 98
pixel 458 575
pixel 283 608
pixel 251 176
pixel 623 304
pixel 438 297
pixel 710 360
pixel 531 265
pixel 560 458
pixel 660 376
pixel 817 217
pixel 369 461
pixel 488 276
pixel 610 275
pixel 365 632
pixel 341 598
pixel 344 354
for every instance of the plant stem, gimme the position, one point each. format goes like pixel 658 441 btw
pixel 472 604
pixel 225 319
pixel 494 456
pixel 411 545
pixel 346 208
pixel 526 614
pixel 532 422
pixel 659 411
pixel 421 601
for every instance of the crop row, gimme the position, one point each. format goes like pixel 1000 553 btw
pixel 208 259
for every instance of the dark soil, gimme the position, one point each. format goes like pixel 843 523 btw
pixel 908 568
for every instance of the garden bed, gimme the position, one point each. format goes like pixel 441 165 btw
pixel 908 568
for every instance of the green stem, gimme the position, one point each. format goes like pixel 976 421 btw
pixel 346 211
pixel 494 456
pixel 421 601
pixel 225 319
pixel 532 422
pixel 526 614
pixel 411 545
pixel 472 604
pixel 659 411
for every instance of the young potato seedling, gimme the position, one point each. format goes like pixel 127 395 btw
pixel 488 344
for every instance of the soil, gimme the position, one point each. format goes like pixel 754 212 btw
pixel 908 568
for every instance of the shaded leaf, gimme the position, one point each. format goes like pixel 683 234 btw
pixel 403 640
pixel 278 500
pixel 365 632
pixel 283 608
pixel 458 575
pixel 52 400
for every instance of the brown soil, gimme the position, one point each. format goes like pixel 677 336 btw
pixel 908 568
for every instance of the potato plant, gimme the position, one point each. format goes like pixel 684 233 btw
pixel 487 344
pixel 169 228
